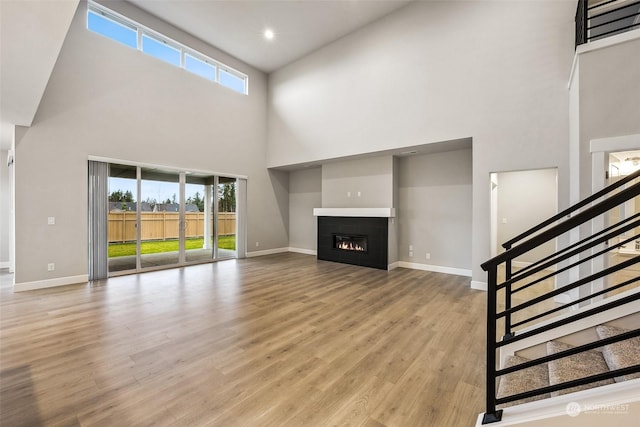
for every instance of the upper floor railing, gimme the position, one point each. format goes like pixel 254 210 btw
pixel 604 18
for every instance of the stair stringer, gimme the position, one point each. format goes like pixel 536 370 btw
pixel 622 400
pixel 571 328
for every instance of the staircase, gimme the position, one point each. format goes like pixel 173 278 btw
pixel 613 356
pixel 554 335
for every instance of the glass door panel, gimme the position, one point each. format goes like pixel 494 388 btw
pixel 162 218
pixel 121 218
pixel 226 223
pixel 199 216
pixel 159 218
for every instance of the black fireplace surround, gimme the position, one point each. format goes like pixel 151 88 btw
pixel 332 230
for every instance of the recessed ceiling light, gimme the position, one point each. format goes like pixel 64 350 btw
pixel 268 34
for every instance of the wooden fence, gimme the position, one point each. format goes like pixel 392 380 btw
pixel 164 225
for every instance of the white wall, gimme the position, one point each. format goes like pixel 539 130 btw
pixel 435 209
pixel 525 199
pixel 5 210
pixel 437 71
pixel 105 99
pixel 305 194
pixel 609 98
pixel 361 183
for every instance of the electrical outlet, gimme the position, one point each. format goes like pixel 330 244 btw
pixel 257 244
pixel 410 247
pixel 348 193
pixel 359 194
pixel 410 253
pixel 51 266
pixel 428 255
pixel 51 220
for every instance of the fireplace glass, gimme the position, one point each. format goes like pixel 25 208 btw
pixel 346 242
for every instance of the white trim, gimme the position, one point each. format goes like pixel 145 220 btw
pixel 50 283
pixel 601 44
pixel 435 268
pixel 5 264
pixel 356 212
pixel 480 286
pixel 164 167
pixel 616 143
pixel 267 252
pixel 556 407
pixel 303 251
pixel 393 265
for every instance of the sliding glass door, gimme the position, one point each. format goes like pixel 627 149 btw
pixel 226 232
pixel 160 218
pixel 122 218
pixel 199 218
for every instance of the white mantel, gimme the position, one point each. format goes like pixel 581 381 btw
pixel 357 212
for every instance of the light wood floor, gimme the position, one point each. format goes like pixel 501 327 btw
pixel 282 340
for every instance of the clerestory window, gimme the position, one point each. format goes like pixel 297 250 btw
pixel 128 32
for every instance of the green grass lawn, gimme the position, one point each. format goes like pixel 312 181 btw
pixel 159 246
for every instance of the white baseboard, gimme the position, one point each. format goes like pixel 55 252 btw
pixel 435 268
pixel 481 286
pixel 267 252
pixel 393 266
pixel 4 264
pixel 303 251
pixel 50 283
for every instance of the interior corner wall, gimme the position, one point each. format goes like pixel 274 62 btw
pixel 437 71
pixel 435 209
pixel 5 209
pixel 105 99
pixel 525 199
pixel 394 226
pixel 305 194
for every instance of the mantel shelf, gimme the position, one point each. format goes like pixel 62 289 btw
pixel 356 212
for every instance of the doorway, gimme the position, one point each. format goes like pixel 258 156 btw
pixel 159 218
pixel 519 201
pixel 620 165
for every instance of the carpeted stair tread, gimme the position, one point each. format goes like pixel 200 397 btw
pixel 620 354
pixel 524 380
pixel 574 367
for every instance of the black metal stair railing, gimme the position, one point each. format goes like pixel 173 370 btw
pixel 571 257
pixel 605 18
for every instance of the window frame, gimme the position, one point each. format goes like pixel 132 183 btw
pixel 116 19
pixel 98 9
pixel 202 58
pixel 152 35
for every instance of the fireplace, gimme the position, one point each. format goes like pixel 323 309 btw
pixel 346 242
pixel 354 240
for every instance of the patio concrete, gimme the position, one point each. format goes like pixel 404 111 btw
pixel 124 263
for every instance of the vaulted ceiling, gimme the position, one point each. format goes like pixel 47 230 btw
pixel 300 26
pixel 32 34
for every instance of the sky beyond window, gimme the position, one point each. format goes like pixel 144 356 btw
pixel 159 190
